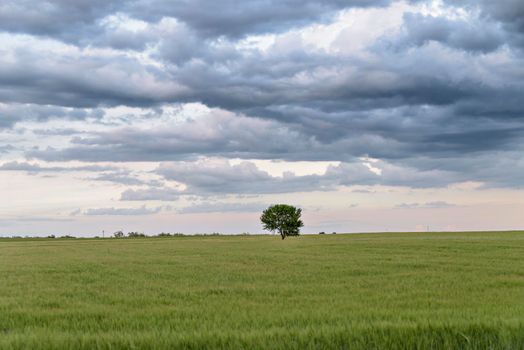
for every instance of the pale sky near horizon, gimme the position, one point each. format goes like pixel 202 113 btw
pixel 193 116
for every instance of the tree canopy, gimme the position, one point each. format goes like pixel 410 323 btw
pixel 283 218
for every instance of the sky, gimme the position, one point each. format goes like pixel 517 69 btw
pixel 195 115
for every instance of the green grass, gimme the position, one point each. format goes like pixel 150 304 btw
pixel 366 291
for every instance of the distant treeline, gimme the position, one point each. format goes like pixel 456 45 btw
pixel 122 235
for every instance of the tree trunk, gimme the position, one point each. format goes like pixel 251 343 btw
pixel 282 234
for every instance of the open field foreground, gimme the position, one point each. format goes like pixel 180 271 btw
pixel 365 291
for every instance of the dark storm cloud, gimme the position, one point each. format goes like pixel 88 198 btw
pixel 12 113
pixel 77 21
pixel 494 169
pixel 266 85
pixel 74 80
pixel 439 98
pixel 238 18
pixel 85 22
pixel 469 141
pixel 218 133
pixel 393 134
pixel 252 82
pixel 508 12
pixel 459 34
pixel 62 19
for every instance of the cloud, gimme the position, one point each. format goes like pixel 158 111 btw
pixel 36 168
pixel 76 17
pixel 6 148
pixel 80 21
pixel 118 211
pixel 237 19
pixel 388 106
pixel 152 193
pixel 508 12
pixel 56 132
pixel 123 177
pixel 218 131
pixel 434 97
pixel 471 35
pixel 106 173
pixel 15 112
pixel 218 207
pixel 218 177
pixel 36 75
pixel 224 134
pixel 435 204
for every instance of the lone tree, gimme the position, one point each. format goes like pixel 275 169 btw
pixel 282 218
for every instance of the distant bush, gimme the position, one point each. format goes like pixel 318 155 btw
pixel 51 236
pixel 118 234
pixel 167 234
pixel 67 236
pixel 164 234
pixel 333 233
pixel 135 235
pixel 321 233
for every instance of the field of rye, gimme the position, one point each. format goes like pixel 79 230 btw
pixel 359 291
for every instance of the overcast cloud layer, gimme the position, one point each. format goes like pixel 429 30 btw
pixel 223 106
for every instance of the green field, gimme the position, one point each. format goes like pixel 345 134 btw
pixel 363 291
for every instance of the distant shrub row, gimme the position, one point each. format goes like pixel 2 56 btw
pixel 121 234
pixel 34 237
